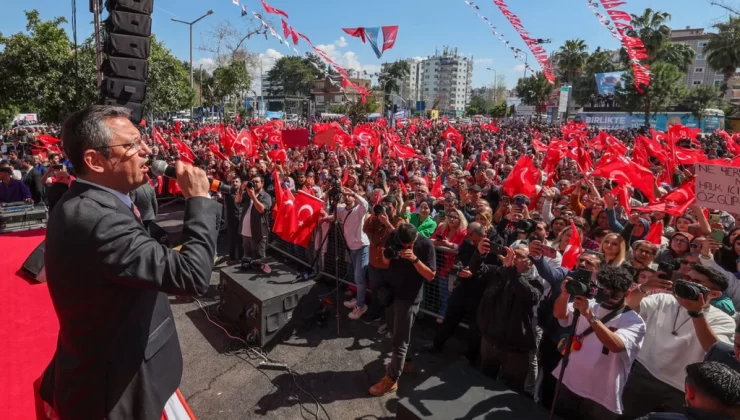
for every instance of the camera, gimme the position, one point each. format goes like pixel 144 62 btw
pixel 526 225
pixel 496 249
pixel 380 209
pixel 690 290
pixel 250 185
pixel 667 269
pixel 392 252
pixel 581 284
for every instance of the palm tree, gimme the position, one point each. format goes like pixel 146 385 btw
pixel 723 49
pixel 572 58
pixel 680 55
pixel 652 29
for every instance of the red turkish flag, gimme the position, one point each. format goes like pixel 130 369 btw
pixel 325 137
pixel 365 135
pixel 573 250
pixel 623 197
pixel 278 198
pixel 437 190
pixel 47 140
pixel 286 221
pixel 278 155
pixel 655 234
pixel 308 213
pixel 675 202
pixel 216 152
pixel 245 143
pixel 523 179
pixel 689 156
pixel 389 37
pixel 294 36
pixel 286 29
pixel 555 153
pixel 355 32
pixel 158 138
pixel 453 136
pixel 538 146
pixel 274 11
pixel 624 171
pixel 276 139
pixel 678 132
pixel 186 155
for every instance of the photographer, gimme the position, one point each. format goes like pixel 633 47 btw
pixel 608 337
pixel 505 316
pixel 255 227
pixel 680 330
pixel 549 356
pixel 351 217
pixel 412 262
pixel 378 228
pixel 465 298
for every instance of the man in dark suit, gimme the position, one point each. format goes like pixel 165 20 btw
pixel 118 356
pixel 32 178
pixel 145 199
pixel 233 213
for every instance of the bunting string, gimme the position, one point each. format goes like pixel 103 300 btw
pixel 538 52
pixel 518 55
pixel 346 82
pixel 620 22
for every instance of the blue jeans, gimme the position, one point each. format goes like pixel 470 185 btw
pixel 358 260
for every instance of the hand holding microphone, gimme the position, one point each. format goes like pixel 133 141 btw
pixel 192 180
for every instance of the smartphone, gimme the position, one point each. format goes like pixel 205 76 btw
pixel 57 167
pixel 718 235
pixel 549 251
pixel 714 218
pixel 411 196
pixel 666 269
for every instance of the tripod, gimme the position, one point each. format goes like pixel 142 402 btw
pixel 564 362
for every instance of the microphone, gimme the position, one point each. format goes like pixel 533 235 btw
pixel 161 168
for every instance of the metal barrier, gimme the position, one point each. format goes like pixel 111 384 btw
pixel 330 265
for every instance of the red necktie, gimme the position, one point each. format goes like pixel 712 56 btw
pixel 136 211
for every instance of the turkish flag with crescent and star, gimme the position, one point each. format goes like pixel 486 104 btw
pixel 523 179
pixel 308 213
pixel 573 250
pixel 390 33
pixel 676 202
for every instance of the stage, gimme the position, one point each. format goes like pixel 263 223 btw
pixel 338 370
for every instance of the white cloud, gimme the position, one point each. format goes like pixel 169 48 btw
pixel 341 42
pixel 264 63
pixel 519 67
pixel 418 58
pixel 483 61
pixel 208 64
pixel 347 59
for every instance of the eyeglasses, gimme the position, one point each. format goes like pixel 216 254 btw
pixel 645 251
pixel 135 146
pixel 699 246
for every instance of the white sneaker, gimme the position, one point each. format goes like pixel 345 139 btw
pixel 350 303
pixel 358 312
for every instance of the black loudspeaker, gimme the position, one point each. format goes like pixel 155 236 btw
pixel 34 265
pixel 125 69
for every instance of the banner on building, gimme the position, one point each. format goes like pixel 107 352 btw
pixel 607 83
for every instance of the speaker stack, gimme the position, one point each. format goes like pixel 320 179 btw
pixel 126 48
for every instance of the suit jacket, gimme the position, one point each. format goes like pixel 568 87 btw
pixel 723 353
pixel 118 356
pixel 258 221
pixel 145 199
pixel 32 179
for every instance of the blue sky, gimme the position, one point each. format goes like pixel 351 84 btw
pixel 424 25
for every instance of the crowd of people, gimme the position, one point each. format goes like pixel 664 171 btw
pixel 653 295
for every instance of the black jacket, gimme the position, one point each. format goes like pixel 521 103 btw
pixel 32 179
pixel 259 222
pixel 117 355
pixel 506 311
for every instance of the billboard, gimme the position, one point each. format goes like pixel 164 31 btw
pixel 607 83
pixel 623 120
pixel 564 97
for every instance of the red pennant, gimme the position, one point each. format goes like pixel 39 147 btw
pixel 272 10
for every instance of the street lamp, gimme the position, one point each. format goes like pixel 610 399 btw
pixel 495 76
pixel 526 59
pixel 190 24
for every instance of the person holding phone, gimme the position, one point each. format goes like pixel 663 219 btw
pixel 678 247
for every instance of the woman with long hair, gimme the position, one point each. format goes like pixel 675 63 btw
pixel 614 249
pixel 485 218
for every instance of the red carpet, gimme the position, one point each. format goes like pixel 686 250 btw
pixel 28 327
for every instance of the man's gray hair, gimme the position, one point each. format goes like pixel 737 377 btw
pixel 476 228
pixel 86 129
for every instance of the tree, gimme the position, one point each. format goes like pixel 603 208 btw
pixel 478 105
pixel 293 75
pixel 337 109
pixel 38 71
pixel 701 98
pixel 666 88
pixel 572 58
pixel 534 90
pixel 168 84
pixel 500 110
pixel 727 5
pixel 723 49
pixel 358 111
pixel 231 81
pixel 584 86
pixel 390 77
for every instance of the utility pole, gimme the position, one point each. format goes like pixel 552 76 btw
pixel 190 24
